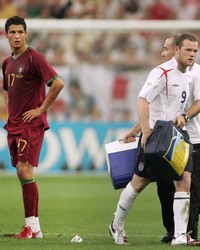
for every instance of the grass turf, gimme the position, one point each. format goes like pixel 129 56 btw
pixel 82 205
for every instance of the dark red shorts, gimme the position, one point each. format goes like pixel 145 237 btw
pixel 26 146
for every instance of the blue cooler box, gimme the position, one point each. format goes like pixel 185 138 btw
pixel 121 160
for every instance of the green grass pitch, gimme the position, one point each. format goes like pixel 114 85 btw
pixel 83 205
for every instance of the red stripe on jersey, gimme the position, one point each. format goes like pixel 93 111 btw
pixel 165 71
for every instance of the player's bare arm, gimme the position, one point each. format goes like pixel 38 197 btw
pixel 54 90
pixel 194 110
pixel 6 97
pixel 143 114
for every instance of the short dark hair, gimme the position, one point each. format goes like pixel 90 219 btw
pixel 183 37
pixel 174 39
pixel 16 20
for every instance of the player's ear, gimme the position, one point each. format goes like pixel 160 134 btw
pixel 176 49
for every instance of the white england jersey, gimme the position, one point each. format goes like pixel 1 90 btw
pixel 167 90
pixel 193 127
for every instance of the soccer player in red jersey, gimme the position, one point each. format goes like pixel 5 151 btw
pixel 25 75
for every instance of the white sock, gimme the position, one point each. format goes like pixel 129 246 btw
pixel 181 212
pixel 124 205
pixel 39 232
pixel 29 221
pixel 34 223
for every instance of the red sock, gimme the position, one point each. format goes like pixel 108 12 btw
pixel 30 197
pixel 36 205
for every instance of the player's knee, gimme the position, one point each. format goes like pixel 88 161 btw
pixel 24 170
pixel 139 183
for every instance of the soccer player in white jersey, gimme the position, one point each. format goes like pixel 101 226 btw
pixel 192 123
pixel 163 96
pixel 165 188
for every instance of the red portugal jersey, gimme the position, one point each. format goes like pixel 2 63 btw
pixel 25 78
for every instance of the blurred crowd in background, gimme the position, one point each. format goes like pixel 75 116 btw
pixel 102 71
pixel 102 9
